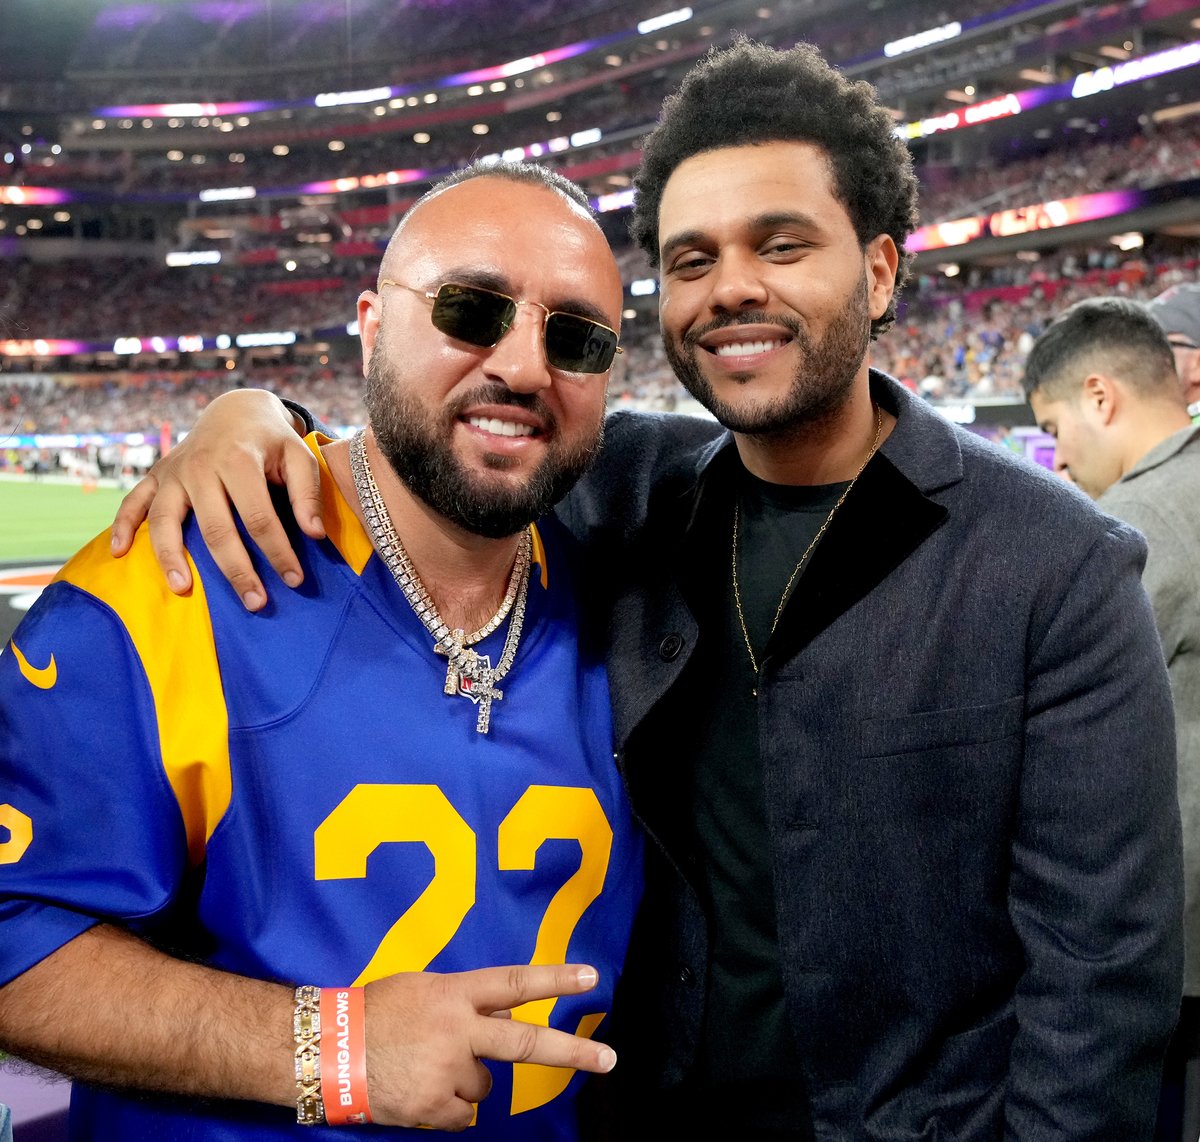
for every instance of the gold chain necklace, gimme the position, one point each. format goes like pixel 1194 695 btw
pixel 468 673
pixel 787 589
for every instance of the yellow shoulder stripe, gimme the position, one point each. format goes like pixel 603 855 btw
pixel 342 526
pixel 173 638
pixel 539 555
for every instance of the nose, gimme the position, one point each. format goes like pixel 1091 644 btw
pixel 518 359
pixel 737 283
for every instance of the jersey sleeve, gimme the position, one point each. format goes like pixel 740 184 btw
pixel 91 827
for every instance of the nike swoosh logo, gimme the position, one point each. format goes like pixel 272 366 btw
pixel 42 677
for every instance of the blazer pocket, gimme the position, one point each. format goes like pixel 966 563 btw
pixel 942 729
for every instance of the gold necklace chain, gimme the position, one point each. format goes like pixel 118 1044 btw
pixel 468 673
pixel 787 589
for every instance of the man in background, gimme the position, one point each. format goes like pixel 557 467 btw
pixel 1177 310
pixel 201 808
pixel 1102 382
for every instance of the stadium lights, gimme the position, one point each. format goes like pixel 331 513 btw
pixel 618 201
pixel 1158 63
pixel 657 23
pixel 1126 242
pixel 343 98
pixel 924 39
pixel 1179 111
pixel 194 258
pixel 228 193
pixel 258 340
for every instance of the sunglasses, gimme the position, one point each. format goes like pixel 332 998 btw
pixel 481 317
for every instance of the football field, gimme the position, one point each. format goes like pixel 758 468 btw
pixel 41 523
pixel 47 520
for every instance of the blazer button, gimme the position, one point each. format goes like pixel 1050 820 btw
pixel 686 975
pixel 669 648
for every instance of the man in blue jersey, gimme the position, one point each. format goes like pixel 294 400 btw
pixel 398 779
pixel 889 702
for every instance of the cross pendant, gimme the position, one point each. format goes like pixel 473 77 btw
pixel 458 637
pixel 481 691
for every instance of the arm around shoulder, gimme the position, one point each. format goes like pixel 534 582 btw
pixel 244 441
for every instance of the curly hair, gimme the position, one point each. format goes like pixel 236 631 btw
pixel 749 93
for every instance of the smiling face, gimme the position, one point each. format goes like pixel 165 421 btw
pixel 767 295
pixel 491 437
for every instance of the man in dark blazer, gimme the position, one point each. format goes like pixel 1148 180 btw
pixel 889 702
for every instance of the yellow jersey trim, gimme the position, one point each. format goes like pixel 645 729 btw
pixel 173 637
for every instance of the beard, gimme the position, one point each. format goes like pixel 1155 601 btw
pixel 416 442
pixel 822 381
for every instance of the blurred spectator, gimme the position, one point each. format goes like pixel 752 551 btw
pixel 1177 310
pixel 1102 381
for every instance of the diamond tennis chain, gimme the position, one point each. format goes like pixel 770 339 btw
pixel 468 673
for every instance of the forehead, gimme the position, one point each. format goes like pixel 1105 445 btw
pixel 531 240
pixel 729 188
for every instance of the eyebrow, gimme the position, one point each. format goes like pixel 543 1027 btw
pixel 765 221
pixel 489 279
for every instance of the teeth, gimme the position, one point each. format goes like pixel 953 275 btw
pixel 747 348
pixel 500 427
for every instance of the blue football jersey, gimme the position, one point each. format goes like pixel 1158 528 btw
pixel 290 795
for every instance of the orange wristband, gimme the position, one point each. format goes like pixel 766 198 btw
pixel 344 1056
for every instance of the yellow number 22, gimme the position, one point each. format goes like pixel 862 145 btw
pixel 373 815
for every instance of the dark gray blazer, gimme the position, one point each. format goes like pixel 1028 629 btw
pixel 970 782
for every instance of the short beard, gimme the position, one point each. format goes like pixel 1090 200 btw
pixel 823 381
pixel 419 451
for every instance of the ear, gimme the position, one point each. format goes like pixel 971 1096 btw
pixel 1102 396
pixel 369 311
pixel 882 261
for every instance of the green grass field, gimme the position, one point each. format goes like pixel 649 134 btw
pixel 48 521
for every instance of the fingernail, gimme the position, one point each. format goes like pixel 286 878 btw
pixel 114 541
pixel 252 600
pixel 607 1059
pixel 291 578
pixel 588 977
pixel 316 525
pixel 176 579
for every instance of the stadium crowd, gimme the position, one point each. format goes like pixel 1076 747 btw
pixel 955 341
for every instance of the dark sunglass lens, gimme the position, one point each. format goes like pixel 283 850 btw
pixel 472 315
pixel 579 345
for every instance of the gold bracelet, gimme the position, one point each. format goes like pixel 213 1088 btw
pixel 306 1028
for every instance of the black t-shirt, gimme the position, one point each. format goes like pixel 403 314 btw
pixel 747 1061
